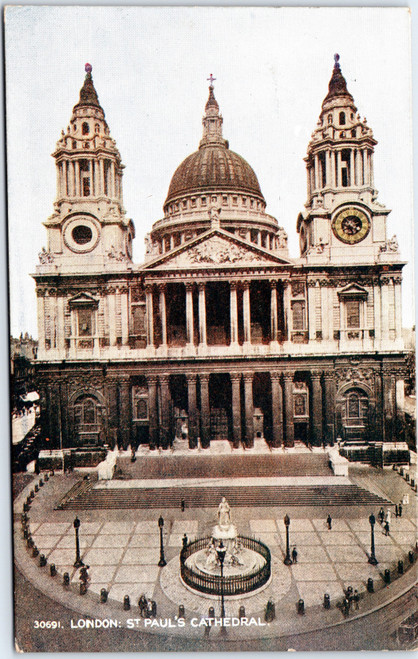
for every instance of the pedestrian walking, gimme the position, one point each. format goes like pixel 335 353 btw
pixel 400 509
pixel 143 605
pixel 294 555
pixel 185 540
pixel 356 599
pixel 386 527
pixel 381 515
pixel 396 510
pixel 388 516
pixel 329 522
pixel 346 606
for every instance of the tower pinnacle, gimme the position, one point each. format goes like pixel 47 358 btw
pixel 212 121
pixel 88 94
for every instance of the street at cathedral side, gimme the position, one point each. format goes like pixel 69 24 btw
pixel 220 334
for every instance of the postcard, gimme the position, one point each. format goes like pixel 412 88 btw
pixel 212 328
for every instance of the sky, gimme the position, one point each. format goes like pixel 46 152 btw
pixel 150 70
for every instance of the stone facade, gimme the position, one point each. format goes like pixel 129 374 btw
pixel 219 334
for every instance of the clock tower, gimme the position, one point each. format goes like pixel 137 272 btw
pixel 342 222
pixel 88 228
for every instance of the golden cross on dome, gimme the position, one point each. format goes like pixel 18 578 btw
pixel 211 79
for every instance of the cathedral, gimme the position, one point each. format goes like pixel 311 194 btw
pixel 220 334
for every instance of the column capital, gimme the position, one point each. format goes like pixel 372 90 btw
pixel 151 379
pixel 189 285
pixel 273 283
pixel 204 378
pixel 191 377
pixel 201 285
pixel 162 288
pixel 246 284
pixel 275 375
pixel 288 376
pixel 148 288
pixel 164 378
pixel 248 377
pixel 329 376
pixel 235 377
pixel 315 374
pixel 233 285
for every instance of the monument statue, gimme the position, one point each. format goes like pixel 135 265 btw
pixel 224 517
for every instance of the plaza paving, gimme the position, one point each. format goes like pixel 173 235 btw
pixel 122 550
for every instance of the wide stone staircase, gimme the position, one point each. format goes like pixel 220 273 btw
pixel 202 497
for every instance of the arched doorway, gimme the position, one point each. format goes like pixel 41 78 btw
pixel 354 413
pixel 88 421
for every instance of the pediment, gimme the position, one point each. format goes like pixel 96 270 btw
pixel 215 249
pixel 353 290
pixel 83 299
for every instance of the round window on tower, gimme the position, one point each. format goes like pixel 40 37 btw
pixel 82 234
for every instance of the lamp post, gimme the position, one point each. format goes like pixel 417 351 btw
pixel 221 551
pixel 372 558
pixel 162 560
pixel 287 560
pixel 78 561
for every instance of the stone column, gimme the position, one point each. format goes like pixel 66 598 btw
pixel 77 178
pixel 366 179
pixel 101 176
pixel 112 181
pixel 311 312
pixel 385 310
pixel 330 394
pixel 124 415
pixel 192 409
pixel 163 314
pixel 274 327
pixel 233 312
pixel 339 169
pixel 333 173
pixel 288 406
pixel 61 325
pixel 328 165
pixel 316 408
pixel 249 410
pixel 112 406
pixel 398 307
pixel 317 186
pixel 150 315
pixel 204 410
pixel 111 306
pixel 236 408
pixel 40 294
pixel 124 313
pixel 152 411
pixel 352 168
pixel 202 313
pixel 277 408
pixel 189 315
pixel 247 313
pixel 388 407
pixel 380 415
pixel 165 411
pixel 286 309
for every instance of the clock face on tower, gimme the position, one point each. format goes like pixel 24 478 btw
pixel 351 225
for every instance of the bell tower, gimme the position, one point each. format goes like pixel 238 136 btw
pixel 88 227
pixel 342 221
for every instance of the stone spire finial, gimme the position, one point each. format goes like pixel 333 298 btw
pixel 88 94
pixel 337 86
pixel 212 121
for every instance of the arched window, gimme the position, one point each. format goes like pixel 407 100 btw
pixel 85 411
pixel 342 118
pixel 142 409
pixel 330 118
pixel 85 128
pixel 96 128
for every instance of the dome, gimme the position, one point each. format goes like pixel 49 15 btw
pixel 213 167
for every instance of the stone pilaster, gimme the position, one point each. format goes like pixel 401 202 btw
pixel 288 407
pixel 236 408
pixel 202 313
pixel 247 312
pixel 189 315
pixel 277 408
pixel 153 411
pixel 150 315
pixel 124 412
pixel 249 410
pixel 192 409
pixel 204 410
pixel 330 395
pixel 233 306
pixel 317 425
pixel 163 314
pixel 274 327
pixel 164 430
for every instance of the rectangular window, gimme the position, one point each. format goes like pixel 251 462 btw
pixel 86 186
pixel 298 311
pixel 353 313
pixel 85 322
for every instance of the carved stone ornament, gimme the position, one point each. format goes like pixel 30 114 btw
pixel 216 251
pixel 116 255
pixel 390 245
pixel 298 288
pixel 354 375
pixel 45 257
